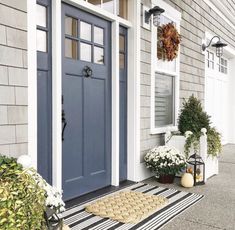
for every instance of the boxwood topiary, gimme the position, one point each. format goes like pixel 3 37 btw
pixel 192 117
pixel 22 201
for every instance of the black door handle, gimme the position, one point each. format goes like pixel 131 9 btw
pixel 64 123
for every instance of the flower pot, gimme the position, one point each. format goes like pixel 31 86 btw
pixel 166 179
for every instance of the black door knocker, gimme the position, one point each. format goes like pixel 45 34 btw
pixel 87 71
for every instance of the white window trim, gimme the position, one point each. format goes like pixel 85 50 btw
pixel 175 16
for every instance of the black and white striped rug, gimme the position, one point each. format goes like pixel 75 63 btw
pixel 179 201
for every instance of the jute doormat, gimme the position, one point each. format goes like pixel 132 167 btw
pixel 127 207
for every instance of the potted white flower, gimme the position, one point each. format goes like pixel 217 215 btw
pixel 54 203
pixel 165 162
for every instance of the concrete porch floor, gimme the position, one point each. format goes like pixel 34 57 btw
pixel 217 209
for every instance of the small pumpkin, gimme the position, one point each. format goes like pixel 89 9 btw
pixel 187 180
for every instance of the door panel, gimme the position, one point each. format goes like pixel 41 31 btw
pixel 123 104
pixel 86 147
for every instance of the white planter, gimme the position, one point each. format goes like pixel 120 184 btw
pixel 211 163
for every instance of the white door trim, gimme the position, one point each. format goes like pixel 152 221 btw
pixel 56 95
pixel 32 81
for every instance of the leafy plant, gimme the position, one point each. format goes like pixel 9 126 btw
pixel 213 142
pixel 22 201
pixel 191 141
pixel 193 118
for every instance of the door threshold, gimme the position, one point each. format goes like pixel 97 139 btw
pixel 93 195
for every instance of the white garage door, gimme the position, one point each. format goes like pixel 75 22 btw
pixel 216 92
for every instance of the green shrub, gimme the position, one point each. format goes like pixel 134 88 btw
pixel 193 118
pixel 22 201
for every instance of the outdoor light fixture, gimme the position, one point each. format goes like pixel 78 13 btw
pixel 156 12
pixel 218 45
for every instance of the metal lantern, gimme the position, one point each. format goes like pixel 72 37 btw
pixel 53 221
pixel 198 169
pixel 218 45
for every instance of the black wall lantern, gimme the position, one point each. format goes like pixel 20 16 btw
pixel 218 45
pixel 156 12
pixel 198 169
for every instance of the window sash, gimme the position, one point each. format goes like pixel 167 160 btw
pixel 164 100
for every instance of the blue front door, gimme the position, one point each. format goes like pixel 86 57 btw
pixel 86 102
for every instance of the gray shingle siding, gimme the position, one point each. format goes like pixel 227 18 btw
pixel 13 77
pixel 197 17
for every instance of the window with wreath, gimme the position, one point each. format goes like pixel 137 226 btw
pixel 165 74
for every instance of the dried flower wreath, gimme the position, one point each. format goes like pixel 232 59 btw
pixel 169 40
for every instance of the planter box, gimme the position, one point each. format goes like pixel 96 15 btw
pixel 211 163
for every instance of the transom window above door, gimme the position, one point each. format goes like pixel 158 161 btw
pixel 118 7
pixel 84 41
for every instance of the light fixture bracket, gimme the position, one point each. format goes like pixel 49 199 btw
pixel 156 10
pixel 218 45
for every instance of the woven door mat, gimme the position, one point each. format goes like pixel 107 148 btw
pixel 127 206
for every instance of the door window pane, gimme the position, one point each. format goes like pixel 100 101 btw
pixel 98 55
pixel 122 61
pixel 98 35
pixel 108 5
pixel 123 8
pixel 85 31
pixel 71 48
pixel 164 97
pixel 41 15
pixel 95 2
pixel 71 26
pixel 85 52
pixel 41 40
pixel 121 43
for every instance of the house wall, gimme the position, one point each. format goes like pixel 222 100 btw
pixel 197 18
pixel 13 77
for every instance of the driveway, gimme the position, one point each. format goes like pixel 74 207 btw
pixel 217 209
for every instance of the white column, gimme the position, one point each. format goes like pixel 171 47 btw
pixel 115 103
pixel 32 81
pixel 133 103
pixel 56 95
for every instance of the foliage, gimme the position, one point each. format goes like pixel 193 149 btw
pixel 165 160
pixel 22 201
pixel 191 141
pixel 214 142
pixel 193 118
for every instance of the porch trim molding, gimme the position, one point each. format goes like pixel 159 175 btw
pixel 32 81
pixel 56 95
